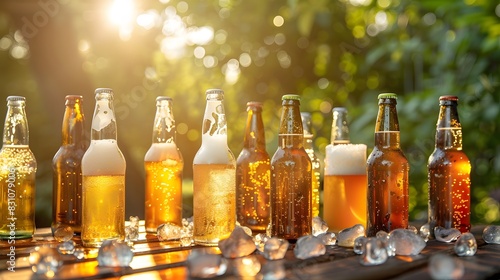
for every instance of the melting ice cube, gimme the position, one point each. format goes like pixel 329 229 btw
pixel 389 244
pixel 238 244
pixel 446 234
pixel 407 242
pixel 309 246
pixel 491 234
pixel 168 231
pixel 374 252
pixel 319 226
pixel 347 236
pixel 203 265
pixel 67 247
pixel 359 245
pixel 328 238
pixel 114 253
pixel 466 245
pixel 260 240
pixel 275 248
pixel 45 261
pixel 63 233
pixel 443 266
pixel 425 232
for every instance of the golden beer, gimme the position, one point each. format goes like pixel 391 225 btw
pixel 214 205
pixel 104 212
pixel 345 186
pixel 163 193
pixel 17 192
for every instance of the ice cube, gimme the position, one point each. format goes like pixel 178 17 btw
pixel 374 252
pixel 425 232
pixel 66 248
pixel 45 261
pixel 347 236
pixel 275 248
pixel 134 221
pixel 388 243
pixel 328 238
pixel 359 245
pixel 260 240
pixel 443 266
pixel 406 242
pixel 491 234
pixel 168 231
pixel 203 265
pixel 308 246
pixel 446 234
pixel 79 253
pixel 319 226
pixel 466 245
pixel 114 253
pixel 248 266
pixel 273 270
pixel 412 228
pixel 63 233
pixel 238 244
pixel 131 233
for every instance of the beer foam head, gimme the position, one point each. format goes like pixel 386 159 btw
pixel 213 150
pixel 161 151
pixel 347 159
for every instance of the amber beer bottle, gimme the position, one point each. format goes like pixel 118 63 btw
pixel 387 169
pixel 253 171
pixel 291 176
pixel 316 165
pixel 17 175
pixel 449 172
pixel 214 177
pixel 67 167
pixel 164 165
pixel 103 169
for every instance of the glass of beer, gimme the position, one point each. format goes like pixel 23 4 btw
pixel 345 186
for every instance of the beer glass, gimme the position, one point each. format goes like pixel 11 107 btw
pixel 345 186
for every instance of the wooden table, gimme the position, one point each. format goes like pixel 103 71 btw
pixel 167 260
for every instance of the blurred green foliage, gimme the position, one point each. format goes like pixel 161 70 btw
pixel 332 53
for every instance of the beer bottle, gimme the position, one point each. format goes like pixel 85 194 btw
pixel 449 172
pixel 214 177
pixel 316 166
pixel 163 164
pixel 103 169
pixel 387 169
pixel 291 176
pixel 340 127
pixel 67 167
pixel 17 174
pixel 253 174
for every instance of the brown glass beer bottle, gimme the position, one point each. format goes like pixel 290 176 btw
pixel 387 169
pixel 67 167
pixel 253 174
pixel 449 172
pixel 291 172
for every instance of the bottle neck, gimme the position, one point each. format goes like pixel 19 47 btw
pixel 254 131
pixel 73 127
pixel 214 121
pixel 448 127
pixel 16 125
pixel 164 123
pixel 291 130
pixel 340 128
pixel 387 125
pixel 104 122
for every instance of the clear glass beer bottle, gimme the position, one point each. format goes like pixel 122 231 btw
pixel 316 165
pixel 291 176
pixel 164 164
pixel 103 170
pixel 387 169
pixel 253 171
pixel 449 172
pixel 17 175
pixel 67 167
pixel 340 127
pixel 214 177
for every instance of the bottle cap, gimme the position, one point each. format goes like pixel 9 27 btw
pixel 387 95
pixel 103 90
pixel 160 98
pixel 290 97
pixel 254 104
pixel 16 98
pixel 72 96
pixel 214 91
pixel 448 98
pixel 339 109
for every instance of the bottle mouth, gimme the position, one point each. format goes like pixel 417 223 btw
pixel 290 97
pixel 161 98
pixel 387 95
pixel 16 98
pixel 448 98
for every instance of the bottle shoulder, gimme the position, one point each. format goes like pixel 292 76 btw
pixel 385 156
pixel 441 157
